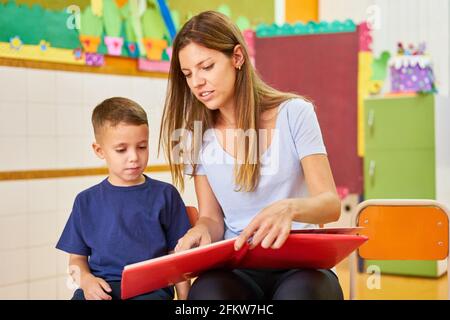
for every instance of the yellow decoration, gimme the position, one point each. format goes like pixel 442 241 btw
pixel 15 43
pixel 97 7
pixel 365 85
pixel 154 48
pixel 34 52
pixel 121 3
pixel 90 43
pixel 304 10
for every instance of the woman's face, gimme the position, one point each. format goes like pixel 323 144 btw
pixel 210 75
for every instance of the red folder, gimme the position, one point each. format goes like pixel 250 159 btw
pixel 314 249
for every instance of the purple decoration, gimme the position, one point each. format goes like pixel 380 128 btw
pixel 412 79
pixel 94 59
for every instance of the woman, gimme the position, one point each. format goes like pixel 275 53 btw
pixel 259 164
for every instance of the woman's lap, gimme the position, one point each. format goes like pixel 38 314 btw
pixel 243 284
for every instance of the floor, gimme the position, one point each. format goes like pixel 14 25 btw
pixel 393 287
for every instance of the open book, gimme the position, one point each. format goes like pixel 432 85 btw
pixel 309 248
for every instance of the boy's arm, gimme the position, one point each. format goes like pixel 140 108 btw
pixel 93 288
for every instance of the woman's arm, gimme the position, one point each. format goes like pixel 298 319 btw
pixel 323 205
pixel 272 225
pixel 209 226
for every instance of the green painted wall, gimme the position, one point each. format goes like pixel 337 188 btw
pixel 257 11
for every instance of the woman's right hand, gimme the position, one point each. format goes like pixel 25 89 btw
pixel 197 236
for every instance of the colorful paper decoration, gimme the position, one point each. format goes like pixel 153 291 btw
pixel 153 25
pixel 78 53
pixel 111 18
pixel 153 66
pixel 97 29
pixel 176 19
pixel 97 7
pixel 32 24
pixel 114 45
pixel 113 25
pixel 411 71
pixel 34 52
pixel 365 37
pixel 44 45
pixel 121 3
pixel 169 52
pixel 136 24
pixel 94 59
pixel 132 49
pixel 90 43
pixel 91 30
pixel 15 43
pixel 142 6
pixel 380 66
pixel 154 48
pixel 91 24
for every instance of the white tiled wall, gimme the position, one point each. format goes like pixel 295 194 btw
pixel 45 124
pixel 45 115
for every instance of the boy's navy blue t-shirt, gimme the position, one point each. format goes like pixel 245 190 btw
pixel 116 226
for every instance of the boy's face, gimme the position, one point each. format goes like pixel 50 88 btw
pixel 125 150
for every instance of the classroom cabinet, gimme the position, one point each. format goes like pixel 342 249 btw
pixel 407 156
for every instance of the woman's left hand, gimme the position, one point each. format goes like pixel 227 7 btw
pixel 270 227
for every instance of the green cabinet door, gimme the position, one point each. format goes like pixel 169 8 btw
pixel 399 174
pixel 406 122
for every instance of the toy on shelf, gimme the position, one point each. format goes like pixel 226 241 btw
pixel 411 70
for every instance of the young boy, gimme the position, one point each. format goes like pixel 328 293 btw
pixel 126 218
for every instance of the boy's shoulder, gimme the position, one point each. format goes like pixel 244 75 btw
pixel 163 186
pixel 89 192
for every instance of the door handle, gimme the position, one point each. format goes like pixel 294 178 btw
pixel 372 167
pixel 371 120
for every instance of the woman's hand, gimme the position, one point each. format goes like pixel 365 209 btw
pixel 95 288
pixel 195 237
pixel 270 227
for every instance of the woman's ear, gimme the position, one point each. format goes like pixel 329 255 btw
pixel 238 57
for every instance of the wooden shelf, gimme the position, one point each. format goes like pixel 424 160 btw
pixel 113 65
pixel 65 173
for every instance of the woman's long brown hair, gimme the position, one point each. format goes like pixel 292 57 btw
pixel 215 31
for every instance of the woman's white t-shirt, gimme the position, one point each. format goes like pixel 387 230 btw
pixel 297 134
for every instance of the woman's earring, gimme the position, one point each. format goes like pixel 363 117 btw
pixel 240 67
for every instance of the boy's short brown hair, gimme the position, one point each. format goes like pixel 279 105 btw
pixel 115 110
